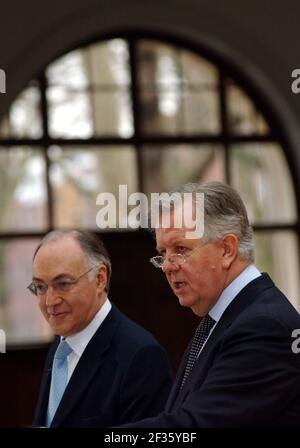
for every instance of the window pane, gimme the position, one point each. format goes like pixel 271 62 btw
pixel 174 100
pixel 167 167
pixel 111 113
pixel 161 112
pixel 70 113
pixel 201 97
pixel 198 71
pixel 243 117
pixel 78 176
pixel 19 313
pixel 88 92
pixel 201 112
pixel 68 71
pixel 261 175
pixel 108 63
pixel 23 193
pixel 24 118
pixel 277 254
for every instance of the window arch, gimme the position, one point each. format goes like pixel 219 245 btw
pixel 148 113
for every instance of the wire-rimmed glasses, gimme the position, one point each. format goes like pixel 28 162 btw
pixel 175 259
pixel 59 285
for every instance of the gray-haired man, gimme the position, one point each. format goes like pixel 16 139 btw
pixel 239 369
pixel 102 368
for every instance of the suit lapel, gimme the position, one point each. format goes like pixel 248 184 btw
pixel 245 298
pixel 175 390
pixel 87 367
pixel 203 362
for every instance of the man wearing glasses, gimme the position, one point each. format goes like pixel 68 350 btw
pixel 240 368
pixel 102 369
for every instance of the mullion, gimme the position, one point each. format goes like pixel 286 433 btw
pixel 155 139
pixel 182 112
pixel 136 109
pixel 45 125
pixel 224 126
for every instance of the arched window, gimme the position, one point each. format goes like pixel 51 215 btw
pixel 143 112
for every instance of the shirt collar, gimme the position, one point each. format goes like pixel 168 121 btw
pixel 79 341
pixel 232 290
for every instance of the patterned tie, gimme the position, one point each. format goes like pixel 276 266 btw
pixel 199 338
pixel 59 378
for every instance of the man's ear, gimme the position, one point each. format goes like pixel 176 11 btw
pixel 230 245
pixel 102 276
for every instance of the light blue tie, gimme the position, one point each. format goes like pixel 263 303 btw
pixel 59 378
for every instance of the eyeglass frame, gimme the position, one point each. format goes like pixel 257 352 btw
pixel 182 257
pixel 32 287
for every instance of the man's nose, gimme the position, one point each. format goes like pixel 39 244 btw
pixel 52 297
pixel 169 265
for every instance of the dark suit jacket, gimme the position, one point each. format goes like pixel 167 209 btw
pixel 122 376
pixel 247 373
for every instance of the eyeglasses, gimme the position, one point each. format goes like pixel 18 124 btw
pixel 59 285
pixel 176 259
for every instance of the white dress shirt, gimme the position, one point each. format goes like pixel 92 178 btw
pixel 79 341
pixel 229 293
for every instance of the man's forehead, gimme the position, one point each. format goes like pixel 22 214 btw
pixel 62 250
pixel 170 236
pixel 187 215
pixel 180 218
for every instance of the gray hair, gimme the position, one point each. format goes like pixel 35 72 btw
pixel 91 245
pixel 224 213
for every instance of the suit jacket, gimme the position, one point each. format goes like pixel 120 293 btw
pixel 122 376
pixel 247 373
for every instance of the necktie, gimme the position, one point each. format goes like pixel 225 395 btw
pixel 199 338
pixel 59 378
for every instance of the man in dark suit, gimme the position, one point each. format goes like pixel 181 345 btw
pixel 102 369
pixel 240 368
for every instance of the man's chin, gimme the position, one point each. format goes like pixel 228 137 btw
pixel 58 325
pixel 190 302
pixel 185 301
